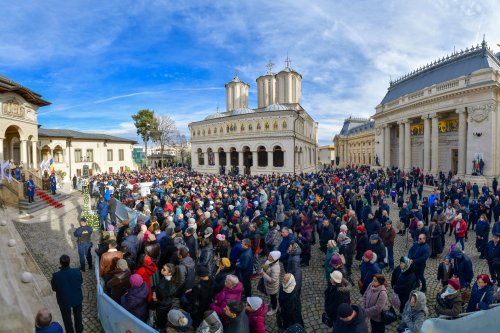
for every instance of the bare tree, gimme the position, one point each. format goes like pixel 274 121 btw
pixel 182 145
pixel 164 133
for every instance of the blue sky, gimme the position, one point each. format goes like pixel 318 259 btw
pixel 99 62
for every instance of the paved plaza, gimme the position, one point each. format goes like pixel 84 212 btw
pixel 48 240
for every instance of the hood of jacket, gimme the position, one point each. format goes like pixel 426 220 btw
pixel 149 264
pixel 260 312
pixel 188 262
pixel 421 304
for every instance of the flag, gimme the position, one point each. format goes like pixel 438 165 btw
pixel 51 166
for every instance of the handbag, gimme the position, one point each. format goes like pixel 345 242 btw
pixel 261 287
pixel 361 284
pixel 326 320
pixel 389 316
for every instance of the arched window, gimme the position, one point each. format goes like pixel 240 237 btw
pixel 201 159
pixel 58 154
pixel 262 156
pixel 222 156
pixel 278 157
pixel 211 156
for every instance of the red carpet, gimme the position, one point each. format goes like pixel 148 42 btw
pixel 48 199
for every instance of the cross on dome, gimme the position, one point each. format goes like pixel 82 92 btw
pixel 288 61
pixel 269 67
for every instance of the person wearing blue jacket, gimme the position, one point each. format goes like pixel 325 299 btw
pixel 481 295
pixel 418 254
pixel 67 283
pixel 102 211
pixel 244 266
pixel 287 239
pixel 462 267
pixel 369 268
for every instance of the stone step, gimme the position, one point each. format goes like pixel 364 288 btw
pixel 39 203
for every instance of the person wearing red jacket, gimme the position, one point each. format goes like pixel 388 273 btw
pixel 460 227
pixel 146 269
pixel 256 311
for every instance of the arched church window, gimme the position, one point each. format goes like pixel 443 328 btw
pixel 262 156
pixel 211 156
pixel 278 157
pixel 201 159
pixel 221 130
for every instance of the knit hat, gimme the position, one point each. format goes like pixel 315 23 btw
pixel 225 262
pixel 454 283
pixel 275 255
pixel 121 264
pixel 202 270
pixel 361 228
pixel 373 237
pixel 336 276
pixel 136 280
pixel 335 260
pixel 208 232
pixel 368 254
pixel 177 318
pixel 206 214
pixel 111 227
pixel 231 207
pixel 221 237
pixel 343 227
pixel 254 302
pixel 344 310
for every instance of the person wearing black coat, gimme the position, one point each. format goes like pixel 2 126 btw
pixel 327 233
pixel 191 243
pixel 200 296
pixel 290 308
pixel 376 246
pixel 220 276
pixel 67 283
pixel 337 292
pixel 351 319
pixel 403 281
pixel 163 295
pixel 435 239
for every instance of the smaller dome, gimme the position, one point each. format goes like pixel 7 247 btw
pixel 239 111
pixel 275 107
pixel 214 116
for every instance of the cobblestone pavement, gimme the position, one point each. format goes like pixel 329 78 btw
pixel 47 241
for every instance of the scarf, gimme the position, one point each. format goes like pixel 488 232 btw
pixel 288 287
pixel 448 291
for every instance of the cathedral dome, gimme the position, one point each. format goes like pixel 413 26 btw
pixel 275 107
pixel 239 111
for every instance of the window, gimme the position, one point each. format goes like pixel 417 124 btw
pixel 201 159
pixel 121 154
pixel 262 156
pixel 110 154
pixel 278 160
pixel 211 156
pixel 78 155
pixel 90 155
pixel 58 154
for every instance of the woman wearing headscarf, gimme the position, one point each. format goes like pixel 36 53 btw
pixel 403 281
pixel 481 295
pixel 414 314
pixel 375 301
pixel 271 275
pixel 289 308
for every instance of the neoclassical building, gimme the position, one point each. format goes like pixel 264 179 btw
pixel 355 144
pixel 443 116
pixel 278 136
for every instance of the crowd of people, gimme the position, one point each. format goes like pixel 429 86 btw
pixel 189 261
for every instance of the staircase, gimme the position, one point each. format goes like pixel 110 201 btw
pixel 42 200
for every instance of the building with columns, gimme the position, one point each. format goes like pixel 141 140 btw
pixel 443 116
pixel 355 144
pixel 278 136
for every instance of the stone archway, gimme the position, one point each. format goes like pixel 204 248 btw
pixel 247 159
pixel 12 145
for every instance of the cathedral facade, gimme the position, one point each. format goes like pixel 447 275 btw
pixel 278 136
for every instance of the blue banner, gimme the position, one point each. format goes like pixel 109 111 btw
pixel 113 317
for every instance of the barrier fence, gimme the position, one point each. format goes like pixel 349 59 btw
pixel 113 317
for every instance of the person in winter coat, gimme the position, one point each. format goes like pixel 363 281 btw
pixel 273 237
pixel 178 321
pixel 207 257
pixel 388 234
pixel 435 241
pixel 237 320
pixel 449 303
pixel 418 254
pixel 332 250
pixel 191 242
pixel 135 300
pixel 414 314
pixel 350 319
pixel 210 324
pixel 152 248
pixel 146 269
pixel 163 295
pixel 445 271
pixel 361 241
pixel 294 252
pixel 462 267
pixel 481 295
pixel 197 300
pixel 493 253
pixel 403 281
pixel 290 308
pixel 460 227
pixel 482 233
pixel 256 311
pixel 186 271
pixel 233 290
pixel 337 292
pixel 375 300
pixel 346 248
pixel 223 270
pixel 327 233
pixel 305 236
pixel 130 242
pixel 375 245
pixel 271 275
pixel 369 268
pixel 120 281
pixel 244 266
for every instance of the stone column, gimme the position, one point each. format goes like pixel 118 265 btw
pixel 241 166
pixel 216 160
pixel 24 152
pixel 228 161
pixel 387 148
pixel 401 145
pixel 427 144
pixel 381 157
pixel 255 160
pixel 462 141
pixel 270 159
pixel 434 144
pixel 1 150
pixel 35 154
pixel 408 165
